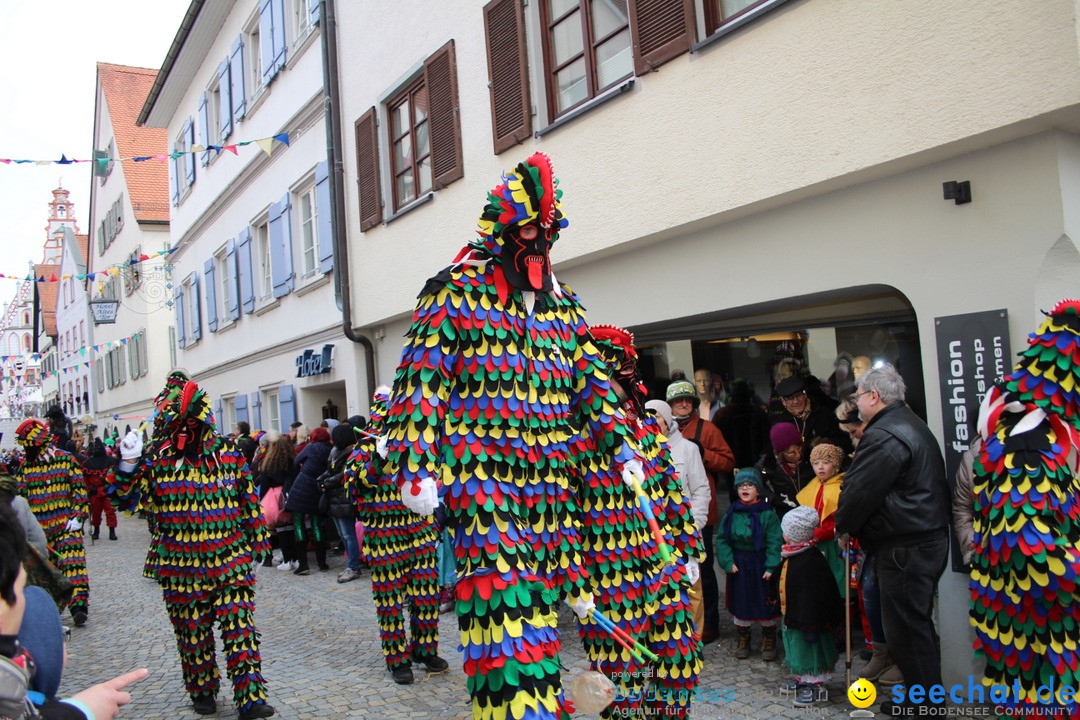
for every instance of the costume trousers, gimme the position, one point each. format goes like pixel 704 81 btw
pixel 99 503
pixel 70 559
pixel 193 614
pixel 907 578
pixel 405 588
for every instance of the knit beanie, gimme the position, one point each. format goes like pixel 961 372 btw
pixel 663 413
pixel 751 476
pixel 828 453
pixel 799 524
pixel 682 389
pixel 784 435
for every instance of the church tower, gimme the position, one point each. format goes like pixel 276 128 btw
pixel 61 215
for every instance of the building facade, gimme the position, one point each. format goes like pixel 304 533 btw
pixel 746 183
pixel 73 328
pixel 131 347
pixel 256 323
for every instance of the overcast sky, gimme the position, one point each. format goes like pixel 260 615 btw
pixel 50 51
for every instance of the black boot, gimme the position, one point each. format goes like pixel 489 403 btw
pixel 204 704
pixel 112 533
pixel 97 532
pixel 258 710
pixel 742 649
pixel 320 555
pixel 402 675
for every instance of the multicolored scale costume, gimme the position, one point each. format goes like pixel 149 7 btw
pixel 498 374
pixel 198 490
pixel 1025 604
pixel 51 480
pixel 400 547
pixel 634 587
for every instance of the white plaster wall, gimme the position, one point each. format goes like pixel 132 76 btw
pixel 813 97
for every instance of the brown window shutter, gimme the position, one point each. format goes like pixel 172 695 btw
pixel 662 30
pixel 367 170
pixel 508 71
pixel 444 118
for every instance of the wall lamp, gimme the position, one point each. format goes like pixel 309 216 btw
pixel 957 191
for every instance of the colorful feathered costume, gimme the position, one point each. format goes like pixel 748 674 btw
pixel 197 488
pixel 51 480
pixel 634 587
pixel 400 547
pixel 1025 604
pixel 497 375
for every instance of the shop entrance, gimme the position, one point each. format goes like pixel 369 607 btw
pixel 817 334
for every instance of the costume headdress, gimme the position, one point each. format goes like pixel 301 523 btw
pixel 377 413
pixel 33 433
pixel 616 346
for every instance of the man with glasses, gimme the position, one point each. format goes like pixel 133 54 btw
pixel 896 501
pixel 813 417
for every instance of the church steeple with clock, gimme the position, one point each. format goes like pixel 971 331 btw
pixel 61 215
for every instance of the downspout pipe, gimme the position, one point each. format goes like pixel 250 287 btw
pixel 338 223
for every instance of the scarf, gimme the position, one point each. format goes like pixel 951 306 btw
pixel 757 534
pixel 789 549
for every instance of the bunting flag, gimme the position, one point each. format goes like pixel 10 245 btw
pixel 265 144
pixel 110 271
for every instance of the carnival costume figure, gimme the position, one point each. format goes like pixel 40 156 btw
pixel 498 373
pixel 51 480
pixel 198 490
pixel 400 547
pixel 1025 604
pixel 634 587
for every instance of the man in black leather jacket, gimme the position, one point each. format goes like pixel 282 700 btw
pixel 896 501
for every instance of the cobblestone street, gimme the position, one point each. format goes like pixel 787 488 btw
pixel 321 655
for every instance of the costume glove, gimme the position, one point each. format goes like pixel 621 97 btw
pixel 74 525
pixel 420 496
pixel 693 571
pixel 632 469
pixel 582 606
pixel 380 447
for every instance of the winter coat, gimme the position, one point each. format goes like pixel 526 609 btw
pixel 691 472
pixel 715 454
pixel 895 493
pixel 304 495
pixel 963 501
pixel 780 488
pixel 332 483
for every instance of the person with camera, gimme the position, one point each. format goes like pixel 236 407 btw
pixel 335 501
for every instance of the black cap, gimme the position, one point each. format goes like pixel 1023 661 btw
pixel 790 386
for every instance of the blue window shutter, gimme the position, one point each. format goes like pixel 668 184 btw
pixel 243 261
pixel 189 157
pixel 196 322
pixel 178 305
pixel 241 408
pixel 225 106
pixel 204 129
pixel 287 403
pixel 281 263
pixel 236 79
pixel 233 311
pixel 313 8
pixel 219 417
pixel 256 410
pixel 267 54
pixel 211 295
pixel 322 212
pixel 176 179
pixel 281 41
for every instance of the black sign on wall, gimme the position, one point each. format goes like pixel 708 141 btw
pixel 973 352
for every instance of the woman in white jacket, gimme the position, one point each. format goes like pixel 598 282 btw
pixel 695 485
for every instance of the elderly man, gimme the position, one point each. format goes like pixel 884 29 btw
pixel 813 417
pixel 896 501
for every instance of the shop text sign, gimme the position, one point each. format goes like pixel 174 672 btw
pixel 973 352
pixel 310 364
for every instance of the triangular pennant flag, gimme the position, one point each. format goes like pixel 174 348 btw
pixel 197 148
pixel 63 160
pixel 282 138
pixel 230 148
pixel 265 145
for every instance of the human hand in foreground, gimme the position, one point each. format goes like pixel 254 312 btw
pixel 106 699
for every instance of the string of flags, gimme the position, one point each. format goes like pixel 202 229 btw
pixel 265 144
pixel 36 357
pixel 111 271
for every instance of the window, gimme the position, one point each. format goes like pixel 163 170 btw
pixel 186 305
pixel 172 346
pixel 309 232
pixel 82 333
pixel 273 412
pixel 719 12
pixel 301 15
pixel 410 153
pixel 137 359
pixel 266 273
pixel 103 161
pixel 423 135
pixel 272 40
pixel 132 272
pixel 586 50
pixel 183 162
pixel 227 421
pixel 226 295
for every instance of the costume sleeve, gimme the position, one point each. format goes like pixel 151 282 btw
pixel 873 473
pixel 725 556
pixel 80 504
pixel 673 509
pixel 718 456
pixel 414 421
pixel 826 530
pixel 128 488
pixel 774 540
pixel 597 405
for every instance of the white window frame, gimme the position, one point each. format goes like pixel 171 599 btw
pixel 301 20
pixel 222 291
pixel 308 230
pixel 271 409
pixel 213 108
pixel 253 59
pixel 227 421
pixel 191 310
pixel 264 290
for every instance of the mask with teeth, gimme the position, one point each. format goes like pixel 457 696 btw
pixel 526 262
